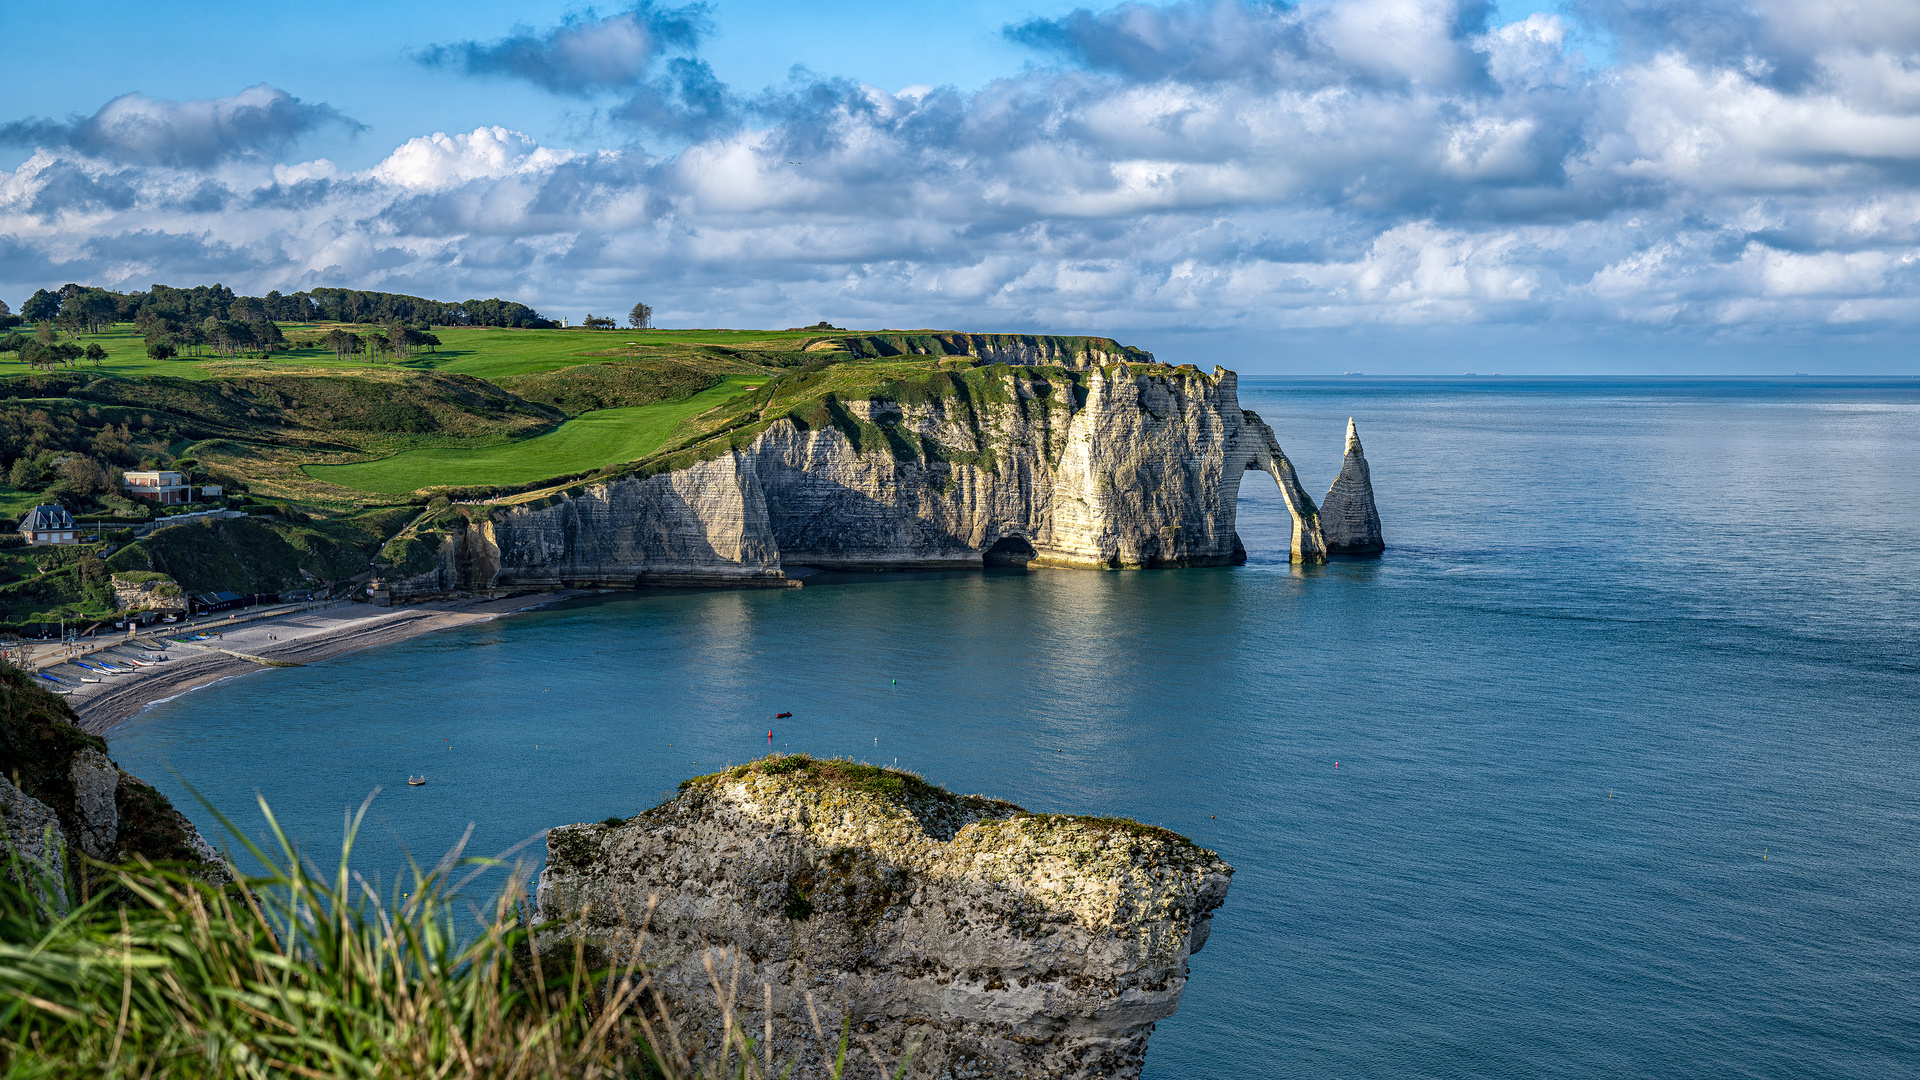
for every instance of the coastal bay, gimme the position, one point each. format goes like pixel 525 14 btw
pixel 1620 739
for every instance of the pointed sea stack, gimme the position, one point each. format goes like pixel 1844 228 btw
pixel 1347 515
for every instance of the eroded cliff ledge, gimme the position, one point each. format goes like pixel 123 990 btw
pixel 1000 943
pixel 1104 460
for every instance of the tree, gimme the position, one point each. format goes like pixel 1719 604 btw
pixel 40 307
pixel 91 309
pixel 161 349
pixel 400 339
pixel 37 355
pixel 641 317
pixel 266 334
pixel 84 478
pixel 44 333
pixel 95 353
pixel 29 472
pixel 229 337
pixel 342 343
pixel 598 322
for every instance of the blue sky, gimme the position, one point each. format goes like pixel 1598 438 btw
pixel 1383 185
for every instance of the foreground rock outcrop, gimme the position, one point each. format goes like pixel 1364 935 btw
pixel 1001 943
pixel 61 797
pixel 1110 463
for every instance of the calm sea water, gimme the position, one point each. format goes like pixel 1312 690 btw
pixel 1626 724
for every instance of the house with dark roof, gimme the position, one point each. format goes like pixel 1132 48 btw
pixel 49 524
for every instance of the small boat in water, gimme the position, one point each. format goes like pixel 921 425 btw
pixel 416 781
pixel 781 715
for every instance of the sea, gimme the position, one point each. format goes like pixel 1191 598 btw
pixel 1609 767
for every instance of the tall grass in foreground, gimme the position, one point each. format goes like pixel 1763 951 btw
pixel 299 972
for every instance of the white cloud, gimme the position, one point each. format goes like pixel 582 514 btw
pixel 1204 163
pixel 437 161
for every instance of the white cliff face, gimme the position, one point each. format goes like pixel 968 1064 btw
pixel 1348 516
pixel 694 524
pixel 1112 467
pixel 1002 944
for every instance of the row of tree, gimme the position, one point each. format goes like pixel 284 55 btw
pixel 90 309
pixel 396 340
pixel 45 351
pixel 167 338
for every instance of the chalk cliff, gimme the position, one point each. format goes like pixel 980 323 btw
pixel 1348 518
pixel 1102 465
pixel 1003 944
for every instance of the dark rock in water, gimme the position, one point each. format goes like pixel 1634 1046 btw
pixel 999 943
pixel 1348 518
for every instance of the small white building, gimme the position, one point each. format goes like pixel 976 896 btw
pixel 49 524
pixel 162 487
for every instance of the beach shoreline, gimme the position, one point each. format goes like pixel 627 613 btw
pixel 295 639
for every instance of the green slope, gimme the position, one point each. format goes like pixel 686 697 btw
pixel 484 351
pixel 605 437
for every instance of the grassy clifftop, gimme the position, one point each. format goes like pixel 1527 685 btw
pixel 491 413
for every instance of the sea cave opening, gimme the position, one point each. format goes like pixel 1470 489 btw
pixel 1009 551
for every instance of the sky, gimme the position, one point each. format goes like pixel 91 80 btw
pixel 1389 186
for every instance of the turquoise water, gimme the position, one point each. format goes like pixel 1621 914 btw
pixel 1629 638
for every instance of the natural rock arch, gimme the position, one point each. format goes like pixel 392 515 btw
pixel 1255 448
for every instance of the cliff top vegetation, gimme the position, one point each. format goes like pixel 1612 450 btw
pixel 907 789
pixel 312 433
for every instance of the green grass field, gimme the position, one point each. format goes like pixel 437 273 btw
pixel 482 351
pixel 604 437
